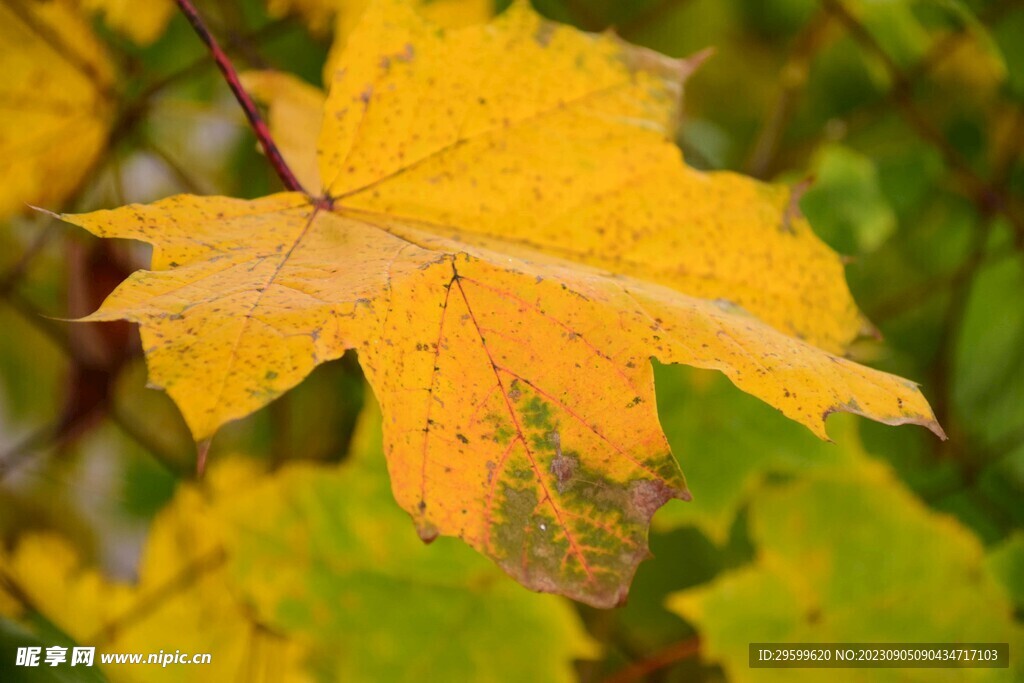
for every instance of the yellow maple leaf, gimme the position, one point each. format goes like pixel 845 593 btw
pixel 344 15
pixel 143 22
pixel 55 102
pixel 319 14
pixel 507 242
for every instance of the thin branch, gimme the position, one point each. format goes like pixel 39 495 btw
pixel 1008 154
pixel 793 81
pixel 917 295
pixel 978 258
pixel 638 671
pixel 202 450
pixel 131 426
pixel 946 46
pixel 191 573
pixel 20 452
pixel 47 326
pixel 986 196
pixel 10 277
pixel 266 32
pixel 259 127
pixel 183 178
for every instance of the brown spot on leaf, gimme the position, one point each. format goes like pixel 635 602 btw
pixel 564 468
pixel 544 33
pixel 647 495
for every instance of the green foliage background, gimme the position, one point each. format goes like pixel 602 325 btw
pixel 909 117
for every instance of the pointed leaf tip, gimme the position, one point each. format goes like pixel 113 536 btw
pixel 51 214
pixel 202 450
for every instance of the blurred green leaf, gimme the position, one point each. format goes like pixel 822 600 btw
pixel 1007 563
pixel 852 556
pixel 989 364
pixel 328 556
pixel 728 442
pixel 1007 34
pixel 30 367
pixel 839 81
pixel 310 572
pixel 898 31
pixel 846 204
pixel 775 18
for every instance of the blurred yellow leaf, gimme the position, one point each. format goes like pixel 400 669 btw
pixel 308 574
pixel 973 66
pixel 184 601
pixel 295 116
pixel 507 242
pixel 55 102
pixel 143 22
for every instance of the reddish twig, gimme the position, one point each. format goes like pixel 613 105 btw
pixel 676 652
pixel 248 106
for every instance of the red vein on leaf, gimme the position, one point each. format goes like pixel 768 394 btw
pixel 495 476
pixel 609 529
pixel 578 335
pixel 521 435
pixel 259 127
pixel 582 421
pixel 475 415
